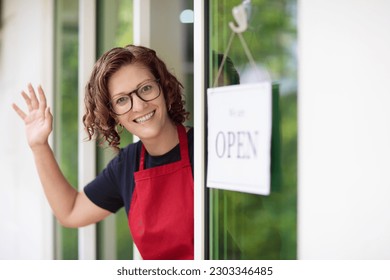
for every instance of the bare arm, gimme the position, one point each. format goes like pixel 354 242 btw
pixel 72 208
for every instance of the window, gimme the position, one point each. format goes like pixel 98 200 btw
pixel 247 226
pixel 65 110
pixel 114 29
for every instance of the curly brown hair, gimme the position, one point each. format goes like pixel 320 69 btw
pixel 99 120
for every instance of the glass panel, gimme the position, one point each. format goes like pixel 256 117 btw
pixel 188 61
pixel 241 225
pixel 114 24
pixel 114 28
pixel 65 111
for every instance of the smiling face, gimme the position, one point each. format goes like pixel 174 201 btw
pixel 147 120
pixel 120 71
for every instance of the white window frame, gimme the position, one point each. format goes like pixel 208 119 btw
pixel 87 149
pixel 199 128
pixel 141 25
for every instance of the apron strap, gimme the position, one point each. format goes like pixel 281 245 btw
pixel 183 143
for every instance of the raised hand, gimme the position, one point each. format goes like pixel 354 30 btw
pixel 38 121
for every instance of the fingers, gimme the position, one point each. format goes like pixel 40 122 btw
pixel 48 116
pixel 42 98
pixel 33 103
pixel 33 97
pixel 19 111
pixel 28 101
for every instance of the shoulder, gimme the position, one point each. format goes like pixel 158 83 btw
pixel 130 150
pixel 126 156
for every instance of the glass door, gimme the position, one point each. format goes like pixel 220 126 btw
pixel 65 117
pixel 241 225
pixel 114 29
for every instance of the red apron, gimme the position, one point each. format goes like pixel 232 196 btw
pixel 161 215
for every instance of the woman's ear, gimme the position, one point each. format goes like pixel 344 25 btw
pixel 119 128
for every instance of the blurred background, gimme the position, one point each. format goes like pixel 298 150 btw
pixel 328 61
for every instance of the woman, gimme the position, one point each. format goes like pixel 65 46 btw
pixel 129 88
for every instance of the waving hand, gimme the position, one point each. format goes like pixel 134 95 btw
pixel 38 120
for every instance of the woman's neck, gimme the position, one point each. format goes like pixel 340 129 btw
pixel 164 142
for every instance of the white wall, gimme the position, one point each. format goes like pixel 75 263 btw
pixel 26 56
pixel 344 129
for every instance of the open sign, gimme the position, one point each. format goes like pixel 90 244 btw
pixel 239 137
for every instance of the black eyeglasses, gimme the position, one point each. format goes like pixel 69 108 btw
pixel 147 91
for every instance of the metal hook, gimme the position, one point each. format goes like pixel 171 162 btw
pixel 248 9
pixel 240 16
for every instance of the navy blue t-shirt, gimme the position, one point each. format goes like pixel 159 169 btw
pixel 114 186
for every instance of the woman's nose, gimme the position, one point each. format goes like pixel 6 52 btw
pixel 138 103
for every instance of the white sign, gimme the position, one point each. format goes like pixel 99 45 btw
pixel 239 137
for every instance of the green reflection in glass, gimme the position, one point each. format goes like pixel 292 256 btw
pixel 65 111
pixel 114 28
pixel 247 226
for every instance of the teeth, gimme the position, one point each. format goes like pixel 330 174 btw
pixel 144 118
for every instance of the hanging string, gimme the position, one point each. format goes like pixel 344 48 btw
pixel 224 59
pixel 250 57
pixel 247 53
